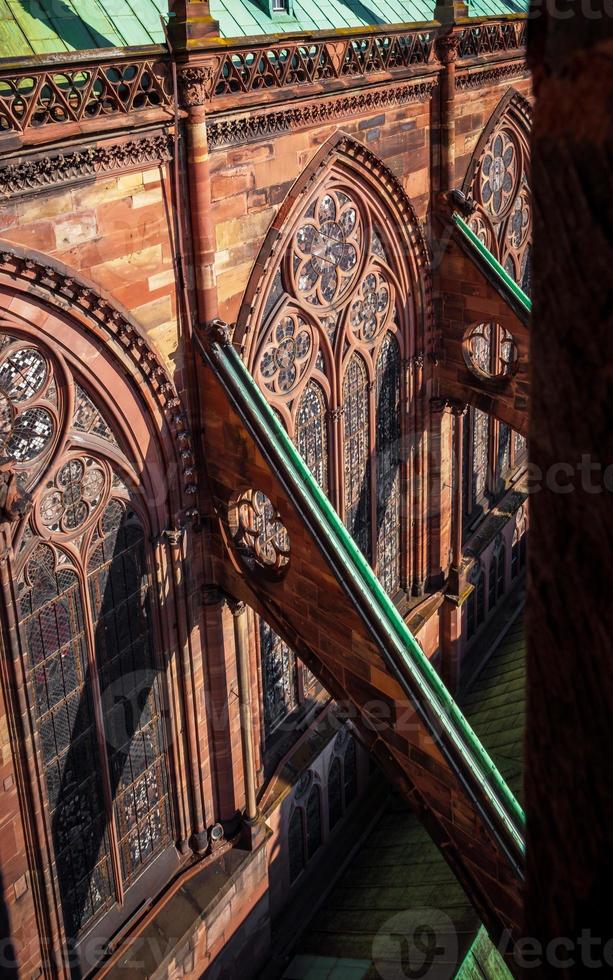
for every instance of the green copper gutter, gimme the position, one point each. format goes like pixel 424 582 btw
pixel 502 277
pixel 403 656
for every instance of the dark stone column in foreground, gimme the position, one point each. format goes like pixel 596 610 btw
pixel 569 748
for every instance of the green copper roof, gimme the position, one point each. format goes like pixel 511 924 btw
pixel 398 868
pixel 30 27
pixel 48 26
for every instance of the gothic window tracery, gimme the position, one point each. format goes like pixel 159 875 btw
pixel 329 334
pixel 86 623
pixel 500 188
pixel 328 331
pixel 499 184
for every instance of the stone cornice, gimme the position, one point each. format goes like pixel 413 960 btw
pixel 244 129
pixel 490 76
pixel 30 175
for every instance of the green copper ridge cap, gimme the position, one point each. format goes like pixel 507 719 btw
pixel 411 666
pixel 502 276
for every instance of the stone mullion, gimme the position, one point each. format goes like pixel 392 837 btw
pixel 372 475
pixel 419 456
pixel 256 699
pixel 222 705
pixel 336 459
pixel 177 747
pixel 192 687
pixel 438 519
pixel 405 477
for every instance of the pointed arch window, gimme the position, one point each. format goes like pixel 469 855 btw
pixel 87 628
pixel 498 182
pixel 388 456
pixel 326 328
pixel 356 452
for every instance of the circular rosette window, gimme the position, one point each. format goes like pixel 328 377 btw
pixel 258 533
pixel 326 250
pixel 499 174
pixel 287 353
pixel 490 351
pixel 27 427
pixel 74 495
pixel 482 229
pixel 371 307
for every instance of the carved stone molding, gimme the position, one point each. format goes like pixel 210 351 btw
pixel 261 126
pixel 63 168
pixel 46 278
pixel 490 76
pixel 198 82
pixel 447 48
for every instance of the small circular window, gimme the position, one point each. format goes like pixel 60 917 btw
pixel 259 534
pixel 490 350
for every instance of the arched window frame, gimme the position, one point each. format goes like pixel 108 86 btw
pixel 68 344
pixel 344 166
pixel 269 297
pixel 344 761
pixel 510 121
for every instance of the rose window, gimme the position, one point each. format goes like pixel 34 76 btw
pixel 490 350
pixel 287 353
pixel 258 531
pixel 498 173
pixel 76 492
pixel 370 309
pixel 26 427
pixel 326 249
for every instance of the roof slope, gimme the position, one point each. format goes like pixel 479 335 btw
pixel 398 867
pixel 32 27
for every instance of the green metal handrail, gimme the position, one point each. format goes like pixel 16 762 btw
pixel 505 280
pixel 470 761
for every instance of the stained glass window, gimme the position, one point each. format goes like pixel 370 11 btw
pixel 388 464
pixel 311 436
pixel 481 446
pixel 335 791
pixel 504 451
pixel 278 678
pixel 129 685
pixel 313 821
pixel 357 454
pixel 54 635
pixel 84 602
pixel 295 841
pixel 520 446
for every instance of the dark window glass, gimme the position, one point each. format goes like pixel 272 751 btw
pixel 335 797
pixel 388 465
pixel 313 818
pixel 296 844
pixel 279 678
